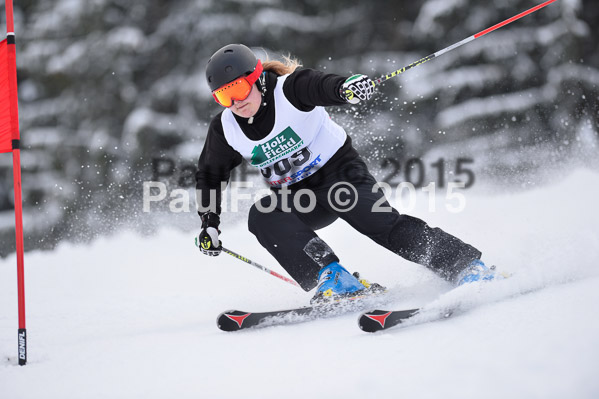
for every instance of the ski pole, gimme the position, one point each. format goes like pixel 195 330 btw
pixel 458 44
pixel 256 265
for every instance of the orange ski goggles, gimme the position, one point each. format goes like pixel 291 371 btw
pixel 237 90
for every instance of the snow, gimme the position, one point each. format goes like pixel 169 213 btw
pixel 74 54
pixel 432 10
pixel 468 77
pixel 271 18
pixel 481 107
pixel 126 38
pixel 130 316
pixel 142 119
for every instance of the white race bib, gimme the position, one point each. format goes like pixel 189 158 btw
pixel 298 145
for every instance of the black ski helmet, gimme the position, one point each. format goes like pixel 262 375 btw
pixel 229 63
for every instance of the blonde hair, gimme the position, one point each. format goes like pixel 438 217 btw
pixel 288 65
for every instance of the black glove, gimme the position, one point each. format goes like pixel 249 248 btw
pixel 356 88
pixel 207 241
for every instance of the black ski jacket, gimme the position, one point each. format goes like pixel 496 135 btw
pixel 305 89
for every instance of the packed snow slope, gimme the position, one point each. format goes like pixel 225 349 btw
pixel 134 317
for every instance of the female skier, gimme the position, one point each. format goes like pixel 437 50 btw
pixel 274 117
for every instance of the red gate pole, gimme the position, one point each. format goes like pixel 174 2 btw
pixel 16 160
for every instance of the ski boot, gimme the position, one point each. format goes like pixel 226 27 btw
pixel 476 271
pixel 334 283
pixel 372 288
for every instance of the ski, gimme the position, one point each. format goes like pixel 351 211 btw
pixel 235 320
pixel 378 320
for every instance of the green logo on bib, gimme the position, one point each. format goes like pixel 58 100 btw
pixel 283 144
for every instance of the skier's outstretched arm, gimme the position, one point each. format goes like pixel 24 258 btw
pixel 216 161
pixel 308 88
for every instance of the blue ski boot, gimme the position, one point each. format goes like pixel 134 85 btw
pixel 476 271
pixel 334 282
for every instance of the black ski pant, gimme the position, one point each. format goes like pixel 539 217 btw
pixel 285 224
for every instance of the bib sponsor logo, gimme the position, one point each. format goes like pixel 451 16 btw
pixel 297 176
pixel 278 147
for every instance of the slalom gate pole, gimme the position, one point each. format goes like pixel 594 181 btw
pixel 11 74
pixel 460 43
pixel 258 266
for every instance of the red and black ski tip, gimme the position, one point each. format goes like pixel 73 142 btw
pixel 378 320
pixel 233 320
